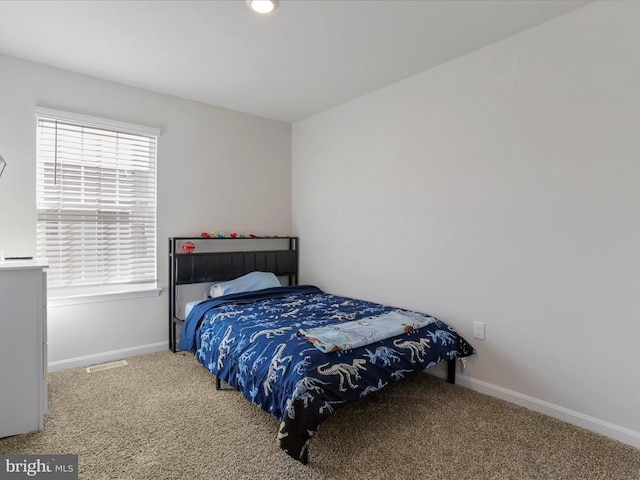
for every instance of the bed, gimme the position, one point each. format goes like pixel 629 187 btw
pixel 297 352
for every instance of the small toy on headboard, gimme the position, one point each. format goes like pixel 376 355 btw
pixel 188 247
pixel 215 234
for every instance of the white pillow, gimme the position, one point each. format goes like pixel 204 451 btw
pixel 247 283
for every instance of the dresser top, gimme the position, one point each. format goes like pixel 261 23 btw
pixel 23 264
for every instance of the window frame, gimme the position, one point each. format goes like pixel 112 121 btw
pixel 71 295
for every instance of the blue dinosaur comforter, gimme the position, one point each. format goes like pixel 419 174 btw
pixel 250 340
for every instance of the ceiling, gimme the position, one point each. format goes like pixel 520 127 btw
pixel 306 57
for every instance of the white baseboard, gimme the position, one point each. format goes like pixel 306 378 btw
pixel 617 432
pixel 104 357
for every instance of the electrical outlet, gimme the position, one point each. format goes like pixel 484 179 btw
pixel 478 330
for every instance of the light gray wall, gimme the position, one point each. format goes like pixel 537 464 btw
pixel 217 170
pixel 502 187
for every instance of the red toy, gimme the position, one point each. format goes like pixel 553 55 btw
pixel 205 235
pixel 188 247
pixel 234 235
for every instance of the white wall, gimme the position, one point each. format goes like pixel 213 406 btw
pixel 502 187
pixel 217 170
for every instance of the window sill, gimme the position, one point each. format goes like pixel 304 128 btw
pixel 66 297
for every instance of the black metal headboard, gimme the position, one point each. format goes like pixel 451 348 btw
pixel 217 266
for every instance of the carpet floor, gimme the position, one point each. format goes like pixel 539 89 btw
pixel 160 417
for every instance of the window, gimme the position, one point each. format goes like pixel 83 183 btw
pixel 96 202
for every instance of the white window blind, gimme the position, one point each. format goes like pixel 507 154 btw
pixel 96 200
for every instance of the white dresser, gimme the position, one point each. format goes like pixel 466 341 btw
pixel 23 346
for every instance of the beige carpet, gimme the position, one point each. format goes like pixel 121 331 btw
pixel 161 418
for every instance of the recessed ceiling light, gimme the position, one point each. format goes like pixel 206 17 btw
pixel 263 6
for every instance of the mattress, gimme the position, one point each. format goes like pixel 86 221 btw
pixel 189 306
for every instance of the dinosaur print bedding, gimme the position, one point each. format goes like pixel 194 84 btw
pixel 251 341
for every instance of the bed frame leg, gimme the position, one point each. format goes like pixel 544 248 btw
pixel 451 371
pixel 218 385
